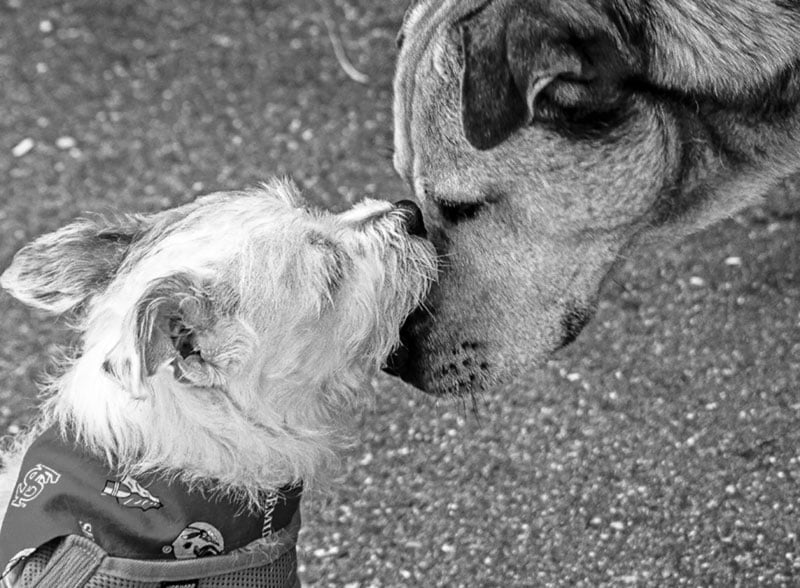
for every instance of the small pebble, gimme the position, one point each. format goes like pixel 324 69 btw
pixel 697 281
pixel 23 147
pixel 65 142
pixel 222 40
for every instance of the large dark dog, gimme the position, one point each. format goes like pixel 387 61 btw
pixel 547 138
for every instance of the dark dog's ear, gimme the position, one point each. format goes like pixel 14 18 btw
pixel 515 53
pixel 492 105
pixel 61 270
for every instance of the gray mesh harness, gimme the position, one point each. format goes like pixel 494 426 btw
pixel 78 562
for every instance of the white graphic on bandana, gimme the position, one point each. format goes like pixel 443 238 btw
pixel 269 509
pixel 86 529
pixel 130 494
pixel 33 484
pixel 198 540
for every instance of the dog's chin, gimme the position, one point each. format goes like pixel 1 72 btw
pixel 431 376
pixel 446 363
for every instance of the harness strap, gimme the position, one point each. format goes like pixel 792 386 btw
pixel 72 565
pixel 75 561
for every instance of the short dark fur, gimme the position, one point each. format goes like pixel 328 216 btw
pixel 604 124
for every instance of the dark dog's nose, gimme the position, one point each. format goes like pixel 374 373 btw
pixel 413 217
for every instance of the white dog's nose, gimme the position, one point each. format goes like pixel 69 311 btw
pixel 413 217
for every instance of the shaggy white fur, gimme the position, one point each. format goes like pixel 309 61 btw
pixel 226 342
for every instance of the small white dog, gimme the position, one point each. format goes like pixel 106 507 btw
pixel 225 347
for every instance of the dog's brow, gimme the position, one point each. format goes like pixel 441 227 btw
pixel 117 237
pixel 317 238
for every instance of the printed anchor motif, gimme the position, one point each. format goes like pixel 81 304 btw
pixel 33 483
pixel 130 494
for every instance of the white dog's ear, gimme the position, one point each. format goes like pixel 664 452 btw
pixel 183 325
pixel 60 271
pixel 522 59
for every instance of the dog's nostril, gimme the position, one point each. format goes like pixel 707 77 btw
pixel 413 217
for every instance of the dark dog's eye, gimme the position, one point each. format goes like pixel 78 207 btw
pixel 456 212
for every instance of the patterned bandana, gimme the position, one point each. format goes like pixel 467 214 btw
pixel 63 490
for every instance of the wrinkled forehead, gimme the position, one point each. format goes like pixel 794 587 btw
pixel 422 28
pixel 429 15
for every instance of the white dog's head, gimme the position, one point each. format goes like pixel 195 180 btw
pixel 228 338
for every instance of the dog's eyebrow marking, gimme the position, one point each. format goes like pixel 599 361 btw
pixel 118 237
pixel 335 262
pixel 317 238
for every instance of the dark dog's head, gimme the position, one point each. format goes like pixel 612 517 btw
pixel 545 139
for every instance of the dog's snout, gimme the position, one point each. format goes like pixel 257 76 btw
pixel 412 216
